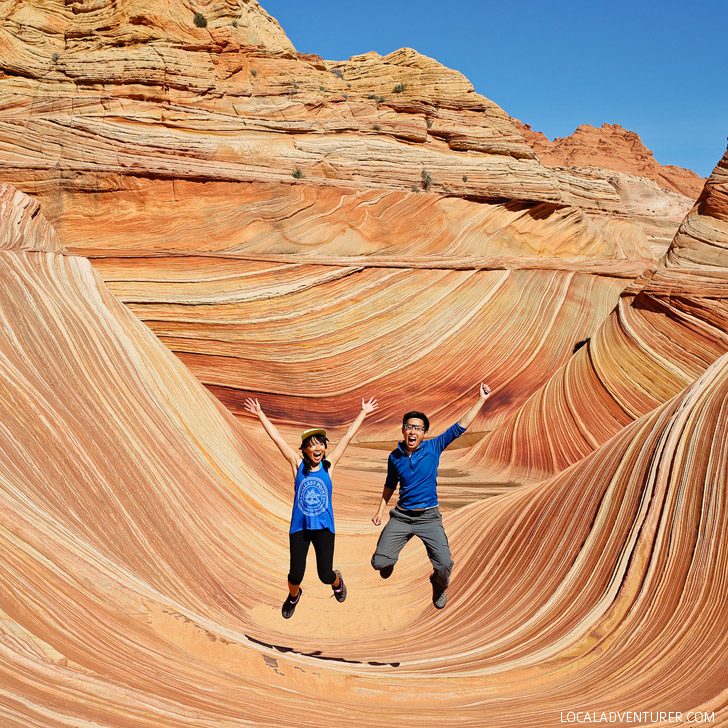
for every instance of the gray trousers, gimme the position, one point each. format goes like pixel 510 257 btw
pixel 428 527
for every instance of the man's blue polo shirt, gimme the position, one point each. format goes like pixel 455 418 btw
pixel 417 473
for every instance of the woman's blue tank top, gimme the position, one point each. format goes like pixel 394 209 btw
pixel 312 506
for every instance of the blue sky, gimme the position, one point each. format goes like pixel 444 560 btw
pixel 657 68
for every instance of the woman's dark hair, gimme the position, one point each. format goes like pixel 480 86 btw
pixel 418 416
pixel 306 462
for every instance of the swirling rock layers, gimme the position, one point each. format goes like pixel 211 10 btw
pixel 668 328
pixel 310 231
pixel 142 538
pixel 164 134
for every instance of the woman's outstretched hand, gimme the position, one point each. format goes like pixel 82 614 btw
pixel 252 405
pixel 368 407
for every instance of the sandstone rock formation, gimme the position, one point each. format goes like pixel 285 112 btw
pixel 615 148
pixel 158 97
pixel 24 227
pixel 667 328
pixel 311 231
pixel 609 169
pixel 195 156
pixel 143 548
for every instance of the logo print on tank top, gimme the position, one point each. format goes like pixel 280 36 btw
pixel 312 497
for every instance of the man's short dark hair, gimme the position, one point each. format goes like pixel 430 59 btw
pixel 418 416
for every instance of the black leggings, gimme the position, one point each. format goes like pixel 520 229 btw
pixel 323 544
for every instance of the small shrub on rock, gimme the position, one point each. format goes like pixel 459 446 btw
pixel 200 20
pixel 399 88
pixel 297 173
pixel 426 179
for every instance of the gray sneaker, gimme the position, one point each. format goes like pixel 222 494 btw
pixel 439 595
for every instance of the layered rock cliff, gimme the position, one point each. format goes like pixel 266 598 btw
pixel 309 232
pixel 668 327
pixel 142 540
pixel 614 148
pixel 203 165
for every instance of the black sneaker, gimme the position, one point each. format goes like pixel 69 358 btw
pixel 386 572
pixel 339 591
pixel 439 595
pixel 289 606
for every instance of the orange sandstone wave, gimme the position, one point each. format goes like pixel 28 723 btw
pixel 142 537
pixel 666 330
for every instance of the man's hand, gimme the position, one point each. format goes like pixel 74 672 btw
pixel 377 520
pixel 483 394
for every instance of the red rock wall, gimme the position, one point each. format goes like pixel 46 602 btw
pixel 612 147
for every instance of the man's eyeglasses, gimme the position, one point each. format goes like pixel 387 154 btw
pixel 416 428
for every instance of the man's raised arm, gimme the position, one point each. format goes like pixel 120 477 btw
pixel 470 415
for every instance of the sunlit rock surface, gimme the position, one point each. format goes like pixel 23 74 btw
pixel 668 327
pixel 614 148
pixel 310 232
pixel 205 168
pixel 143 550
pixel 363 291
pixel 609 169
pixel 24 227
pixel 152 95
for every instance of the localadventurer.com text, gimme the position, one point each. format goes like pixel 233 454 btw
pixel 645 717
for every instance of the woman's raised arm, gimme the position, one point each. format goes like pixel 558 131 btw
pixel 366 408
pixel 294 458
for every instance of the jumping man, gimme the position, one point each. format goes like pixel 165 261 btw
pixel 413 465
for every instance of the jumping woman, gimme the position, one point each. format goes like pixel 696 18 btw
pixel 312 520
